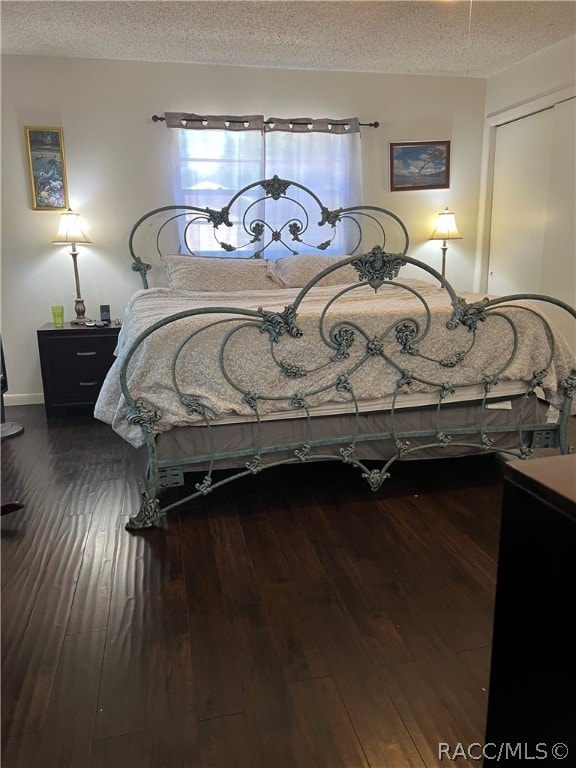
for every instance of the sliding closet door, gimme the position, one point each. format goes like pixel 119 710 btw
pixel 533 233
pixel 520 204
pixel 560 243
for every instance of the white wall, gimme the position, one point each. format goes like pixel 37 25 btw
pixel 549 71
pixel 117 165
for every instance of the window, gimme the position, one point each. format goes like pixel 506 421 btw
pixel 215 157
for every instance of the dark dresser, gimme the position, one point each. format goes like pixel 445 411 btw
pixel 532 697
pixel 74 361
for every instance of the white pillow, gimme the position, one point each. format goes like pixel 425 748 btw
pixel 296 271
pixel 198 273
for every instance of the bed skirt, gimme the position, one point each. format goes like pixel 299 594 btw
pixel 178 445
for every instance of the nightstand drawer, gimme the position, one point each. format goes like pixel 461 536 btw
pixel 74 362
pixel 77 387
pixel 80 354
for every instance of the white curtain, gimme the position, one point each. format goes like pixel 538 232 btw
pixel 215 156
pixel 324 156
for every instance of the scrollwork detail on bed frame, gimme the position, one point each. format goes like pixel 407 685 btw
pixel 141 266
pixel 345 347
pixel 275 324
pixel 378 266
pixel 143 416
pixel 468 315
pixel 569 384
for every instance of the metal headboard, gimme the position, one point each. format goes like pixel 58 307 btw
pixel 271 215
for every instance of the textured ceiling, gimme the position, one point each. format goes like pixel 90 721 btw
pixel 461 38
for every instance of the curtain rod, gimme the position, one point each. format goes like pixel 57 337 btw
pixel 159 118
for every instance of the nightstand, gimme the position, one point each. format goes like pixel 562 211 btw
pixel 74 361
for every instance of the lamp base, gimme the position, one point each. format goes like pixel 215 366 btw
pixel 79 308
pixel 444 248
pixel 80 321
pixel 11 429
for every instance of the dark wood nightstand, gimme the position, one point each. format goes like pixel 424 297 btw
pixel 74 360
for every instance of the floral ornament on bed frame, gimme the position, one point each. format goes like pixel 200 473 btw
pixel 419 165
pixel 45 148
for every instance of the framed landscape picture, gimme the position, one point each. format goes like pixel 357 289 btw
pixel 419 165
pixel 45 148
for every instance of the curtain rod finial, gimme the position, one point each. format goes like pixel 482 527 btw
pixel 157 118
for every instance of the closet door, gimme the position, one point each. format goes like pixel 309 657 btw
pixel 520 204
pixel 533 232
pixel 560 245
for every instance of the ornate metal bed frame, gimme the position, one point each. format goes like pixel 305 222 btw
pixel 374 265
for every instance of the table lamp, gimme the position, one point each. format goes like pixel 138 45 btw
pixel 70 231
pixel 446 229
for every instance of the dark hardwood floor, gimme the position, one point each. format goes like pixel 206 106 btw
pixel 293 620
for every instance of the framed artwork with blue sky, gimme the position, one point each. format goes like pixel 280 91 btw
pixel 419 165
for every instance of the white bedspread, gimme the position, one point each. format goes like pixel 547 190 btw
pixel 249 363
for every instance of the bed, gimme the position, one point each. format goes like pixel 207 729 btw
pixel 288 332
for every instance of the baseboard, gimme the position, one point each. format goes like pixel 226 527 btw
pixel 34 398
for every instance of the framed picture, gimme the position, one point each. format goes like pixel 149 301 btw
pixel 419 165
pixel 45 147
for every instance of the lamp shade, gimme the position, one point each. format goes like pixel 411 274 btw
pixel 446 228
pixel 70 230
